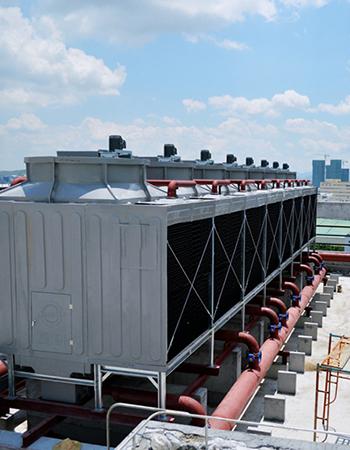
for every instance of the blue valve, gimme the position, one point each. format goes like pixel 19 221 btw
pixel 252 357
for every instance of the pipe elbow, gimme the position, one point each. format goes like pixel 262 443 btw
pixel 192 406
pixel 296 297
pixel 254 354
pixel 281 307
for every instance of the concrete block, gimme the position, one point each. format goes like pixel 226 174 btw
pixel 334 276
pixel 259 431
pixel 297 362
pixel 317 317
pixel 333 284
pixel 301 321
pixel 274 369
pixel 321 306
pixel 310 329
pixel 323 298
pixel 328 290
pixel 287 382
pixel 305 344
pixel 274 408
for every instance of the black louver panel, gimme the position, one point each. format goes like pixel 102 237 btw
pixel 306 220
pixel 187 317
pixel 273 237
pixel 253 250
pixel 228 251
pixel 286 226
pixel 313 215
pixel 287 229
pixel 298 223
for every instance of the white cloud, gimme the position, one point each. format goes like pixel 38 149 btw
pixel 227 44
pixel 305 3
pixel 310 127
pixel 139 21
pixel 36 67
pixel 192 105
pixel 26 121
pixel 289 99
pixel 339 109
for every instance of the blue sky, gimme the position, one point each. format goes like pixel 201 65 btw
pixel 262 78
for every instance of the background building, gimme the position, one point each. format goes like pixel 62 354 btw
pixel 332 171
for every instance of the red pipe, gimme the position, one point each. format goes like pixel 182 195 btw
pixel 229 346
pixel 313 259
pixel 317 255
pixel 298 268
pixel 282 308
pixel 191 405
pixel 215 184
pixel 276 303
pixel 18 180
pixel 336 256
pixel 173 185
pixel 3 368
pixel 262 311
pixel 292 287
pixel 235 401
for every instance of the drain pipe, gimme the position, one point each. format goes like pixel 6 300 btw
pixel 262 311
pixel 243 337
pixel 298 268
pixel 237 398
pixel 278 304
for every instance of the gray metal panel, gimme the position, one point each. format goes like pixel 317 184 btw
pixel 125 283
pixel 6 279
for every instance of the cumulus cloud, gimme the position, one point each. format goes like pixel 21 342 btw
pixel 192 105
pixel 139 21
pixel 343 107
pixel 310 127
pixel 289 99
pixel 36 67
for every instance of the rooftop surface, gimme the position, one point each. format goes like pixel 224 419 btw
pixel 300 408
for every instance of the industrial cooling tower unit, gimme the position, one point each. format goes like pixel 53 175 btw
pixel 103 273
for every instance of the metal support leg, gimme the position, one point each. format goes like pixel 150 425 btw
pixel 162 390
pixel 98 387
pixel 212 295
pixel 11 376
pixel 261 332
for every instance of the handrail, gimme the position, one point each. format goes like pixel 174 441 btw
pixel 163 412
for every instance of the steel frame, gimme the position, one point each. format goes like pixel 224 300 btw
pixel 334 369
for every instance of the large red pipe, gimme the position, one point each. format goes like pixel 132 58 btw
pixel 236 400
pixel 336 256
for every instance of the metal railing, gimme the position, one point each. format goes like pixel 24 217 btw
pixel 156 412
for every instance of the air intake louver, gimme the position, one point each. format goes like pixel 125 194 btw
pixel 298 223
pixel 254 238
pixel 287 229
pixel 228 261
pixel 189 261
pixel 273 237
